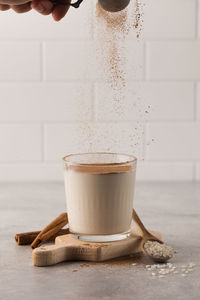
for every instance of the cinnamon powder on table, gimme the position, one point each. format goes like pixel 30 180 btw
pixel 130 260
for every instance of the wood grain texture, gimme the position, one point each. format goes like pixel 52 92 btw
pixel 68 248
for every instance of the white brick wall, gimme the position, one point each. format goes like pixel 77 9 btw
pixel 19 61
pixel 169 101
pixel 53 99
pixel 170 19
pixel 45 102
pixel 173 141
pixel 174 60
pixel 20 142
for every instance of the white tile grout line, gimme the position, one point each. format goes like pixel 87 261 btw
pixel 90 39
pixel 146 137
pixel 78 81
pixel 69 122
pixel 42 61
pixel 196 82
pixel 171 39
pixel 197 167
pixel 194 171
pixel 92 20
pixel 145 61
pixel 42 142
pixel 195 102
pixel 196 19
pixel 143 141
pixel 46 39
pixel 94 103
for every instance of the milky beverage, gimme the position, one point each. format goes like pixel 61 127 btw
pixel 99 197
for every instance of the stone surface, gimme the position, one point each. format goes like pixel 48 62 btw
pixel 173 209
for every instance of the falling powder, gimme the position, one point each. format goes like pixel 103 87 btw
pixel 138 17
pixel 113 31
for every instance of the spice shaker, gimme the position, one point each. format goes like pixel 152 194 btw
pixel 114 5
pixel 108 5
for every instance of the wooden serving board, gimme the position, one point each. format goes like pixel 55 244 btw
pixel 69 248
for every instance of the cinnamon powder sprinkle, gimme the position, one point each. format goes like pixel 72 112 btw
pixel 112 32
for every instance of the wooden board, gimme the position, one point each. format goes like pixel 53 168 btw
pixel 68 248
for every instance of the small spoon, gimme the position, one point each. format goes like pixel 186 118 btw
pixel 147 236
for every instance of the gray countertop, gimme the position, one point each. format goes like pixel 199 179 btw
pixel 172 208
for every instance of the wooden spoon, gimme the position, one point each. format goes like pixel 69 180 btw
pixel 147 236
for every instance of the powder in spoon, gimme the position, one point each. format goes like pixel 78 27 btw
pixel 158 250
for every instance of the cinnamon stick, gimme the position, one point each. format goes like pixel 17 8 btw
pixel 50 230
pixel 26 238
pixel 46 236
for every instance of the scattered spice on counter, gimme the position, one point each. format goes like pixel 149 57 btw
pixel 84 265
pixel 163 270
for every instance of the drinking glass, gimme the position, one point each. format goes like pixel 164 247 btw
pixel 99 192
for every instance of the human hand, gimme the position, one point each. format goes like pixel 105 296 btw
pixel 45 7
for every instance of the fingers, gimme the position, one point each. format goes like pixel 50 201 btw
pixel 44 7
pixel 59 12
pixel 14 2
pixel 4 7
pixel 23 8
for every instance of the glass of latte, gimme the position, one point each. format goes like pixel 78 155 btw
pixel 99 191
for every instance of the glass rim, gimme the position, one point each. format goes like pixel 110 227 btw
pixel 132 159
